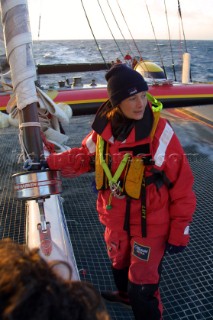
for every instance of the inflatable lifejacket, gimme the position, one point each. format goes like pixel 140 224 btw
pixel 134 167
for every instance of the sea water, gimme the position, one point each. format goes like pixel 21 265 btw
pixel 165 53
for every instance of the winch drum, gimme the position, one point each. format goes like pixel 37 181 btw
pixel 37 184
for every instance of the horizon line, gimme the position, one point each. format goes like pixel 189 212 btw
pixel 83 39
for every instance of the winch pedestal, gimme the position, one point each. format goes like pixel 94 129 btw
pixel 39 185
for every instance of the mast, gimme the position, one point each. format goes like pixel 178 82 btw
pixel 45 222
pixel 18 45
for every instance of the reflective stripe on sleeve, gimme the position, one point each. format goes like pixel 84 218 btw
pixel 163 144
pixel 90 144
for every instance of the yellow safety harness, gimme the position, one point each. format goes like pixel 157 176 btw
pixel 112 180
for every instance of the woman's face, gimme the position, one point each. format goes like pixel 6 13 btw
pixel 134 107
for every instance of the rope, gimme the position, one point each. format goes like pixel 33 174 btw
pixel 110 30
pixel 29 124
pixel 24 154
pixel 28 162
pixel 129 30
pixel 156 41
pixel 93 34
pixel 21 140
pixel 173 65
pixel 119 28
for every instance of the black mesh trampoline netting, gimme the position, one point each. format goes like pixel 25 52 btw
pixel 187 279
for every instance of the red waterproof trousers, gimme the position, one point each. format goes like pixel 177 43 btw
pixel 143 256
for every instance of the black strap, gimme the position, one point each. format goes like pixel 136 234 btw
pixel 143 209
pixel 126 226
pixel 143 149
pixel 159 178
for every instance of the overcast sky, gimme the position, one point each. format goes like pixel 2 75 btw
pixel 65 19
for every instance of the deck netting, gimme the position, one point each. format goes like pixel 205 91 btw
pixel 187 278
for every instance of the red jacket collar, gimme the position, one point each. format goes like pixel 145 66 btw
pixel 140 131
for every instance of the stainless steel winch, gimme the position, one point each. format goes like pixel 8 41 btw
pixel 37 184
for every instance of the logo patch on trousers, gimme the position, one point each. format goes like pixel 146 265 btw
pixel 141 252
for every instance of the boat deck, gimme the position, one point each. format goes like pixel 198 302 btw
pixel 187 279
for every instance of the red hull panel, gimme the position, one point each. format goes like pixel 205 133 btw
pixel 166 93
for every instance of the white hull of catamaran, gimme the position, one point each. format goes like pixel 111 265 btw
pixel 60 240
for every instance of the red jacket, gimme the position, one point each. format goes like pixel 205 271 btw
pixel 169 210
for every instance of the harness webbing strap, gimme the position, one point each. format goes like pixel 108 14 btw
pixel 117 174
pixel 158 178
pixel 106 158
pixel 126 226
pixel 146 161
pixel 143 209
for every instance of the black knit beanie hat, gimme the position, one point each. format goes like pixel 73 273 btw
pixel 123 82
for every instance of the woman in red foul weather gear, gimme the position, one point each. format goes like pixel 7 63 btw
pixel 144 182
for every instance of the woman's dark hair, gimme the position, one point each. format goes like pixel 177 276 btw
pixel 121 126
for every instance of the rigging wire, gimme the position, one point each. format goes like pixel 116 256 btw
pixel 39 20
pixel 110 29
pixel 39 26
pixel 173 65
pixel 93 34
pixel 180 14
pixel 38 38
pixel 119 28
pixel 129 31
pixel 156 41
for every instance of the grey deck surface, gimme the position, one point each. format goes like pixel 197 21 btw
pixel 187 279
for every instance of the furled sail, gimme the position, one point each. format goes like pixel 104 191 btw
pixel 45 222
pixel 18 43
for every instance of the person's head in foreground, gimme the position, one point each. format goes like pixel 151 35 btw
pixel 30 289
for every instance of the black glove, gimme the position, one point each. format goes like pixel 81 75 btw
pixel 172 249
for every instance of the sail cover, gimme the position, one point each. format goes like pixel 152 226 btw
pixel 18 47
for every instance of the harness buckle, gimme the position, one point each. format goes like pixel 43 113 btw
pixel 114 186
pixel 116 190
